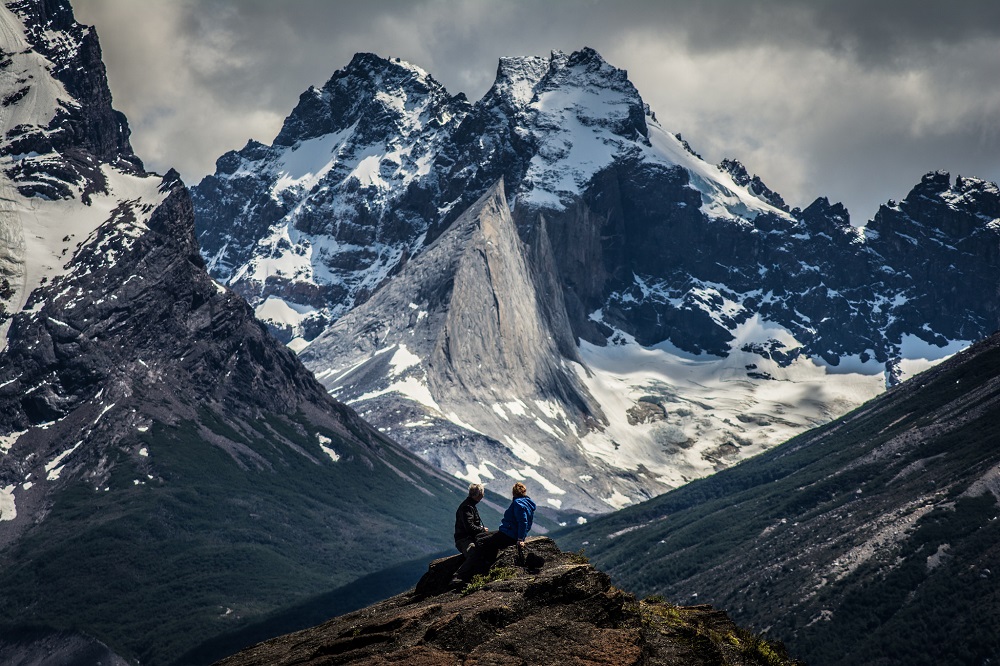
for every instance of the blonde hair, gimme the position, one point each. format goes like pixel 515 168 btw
pixel 519 490
pixel 476 490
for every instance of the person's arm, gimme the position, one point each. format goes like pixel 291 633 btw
pixel 522 524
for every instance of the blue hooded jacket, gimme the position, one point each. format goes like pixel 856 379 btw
pixel 517 518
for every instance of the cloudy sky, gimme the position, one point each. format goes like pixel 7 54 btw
pixel 849 99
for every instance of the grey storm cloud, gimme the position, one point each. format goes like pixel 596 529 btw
pixel 849 99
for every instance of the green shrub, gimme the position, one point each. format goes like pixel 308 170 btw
pixel 479 581
pixel 755 649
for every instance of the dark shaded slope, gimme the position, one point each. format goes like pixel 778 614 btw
pixel 871 540
pixel 199 488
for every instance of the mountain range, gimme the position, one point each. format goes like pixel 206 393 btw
pixel 645 317
pixel 229 409
pixel 168 470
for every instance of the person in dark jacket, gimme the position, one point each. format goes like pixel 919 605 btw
pixel 513 530
pixel 468 525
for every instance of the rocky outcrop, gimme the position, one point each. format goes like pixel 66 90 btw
pixel 566 612
pixel 754 184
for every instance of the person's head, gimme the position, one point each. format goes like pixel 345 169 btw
pixel 476 491
pixel 519 490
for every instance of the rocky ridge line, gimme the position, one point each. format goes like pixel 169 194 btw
pixel 566 612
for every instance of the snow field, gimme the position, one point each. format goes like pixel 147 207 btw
pixel 52 230
pixel 8 510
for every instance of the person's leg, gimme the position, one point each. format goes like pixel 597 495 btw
pixel 483 556
pixel 469 566
pixel 493 544
pixel 464 546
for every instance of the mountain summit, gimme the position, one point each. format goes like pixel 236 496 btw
pixel 361 145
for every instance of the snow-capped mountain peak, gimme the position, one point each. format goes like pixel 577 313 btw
pixel 601 93
pixel 584 113
pixel 360 148
pixel 632 240
pixel 517 78
pixel 575 115
pixel 382 96
pixel 66 192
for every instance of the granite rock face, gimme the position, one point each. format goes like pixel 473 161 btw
pixel 465 329
pixel 568 612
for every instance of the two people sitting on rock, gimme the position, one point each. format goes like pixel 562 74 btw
pixel 513 530
pixel 468 524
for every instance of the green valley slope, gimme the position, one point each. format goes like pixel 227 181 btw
pixel 874 539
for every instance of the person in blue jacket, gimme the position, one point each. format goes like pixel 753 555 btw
pixel 517 518
pixel 514 529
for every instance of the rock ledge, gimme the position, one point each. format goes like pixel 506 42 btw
pixel 567 613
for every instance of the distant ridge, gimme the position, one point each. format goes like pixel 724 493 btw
pixel 873 539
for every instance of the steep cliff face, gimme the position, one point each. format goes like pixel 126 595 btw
pixel 566 611
pixel 466 334
pixel 872 539
pixel 154 437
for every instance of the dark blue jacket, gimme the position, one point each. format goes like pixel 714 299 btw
pixel 517 518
